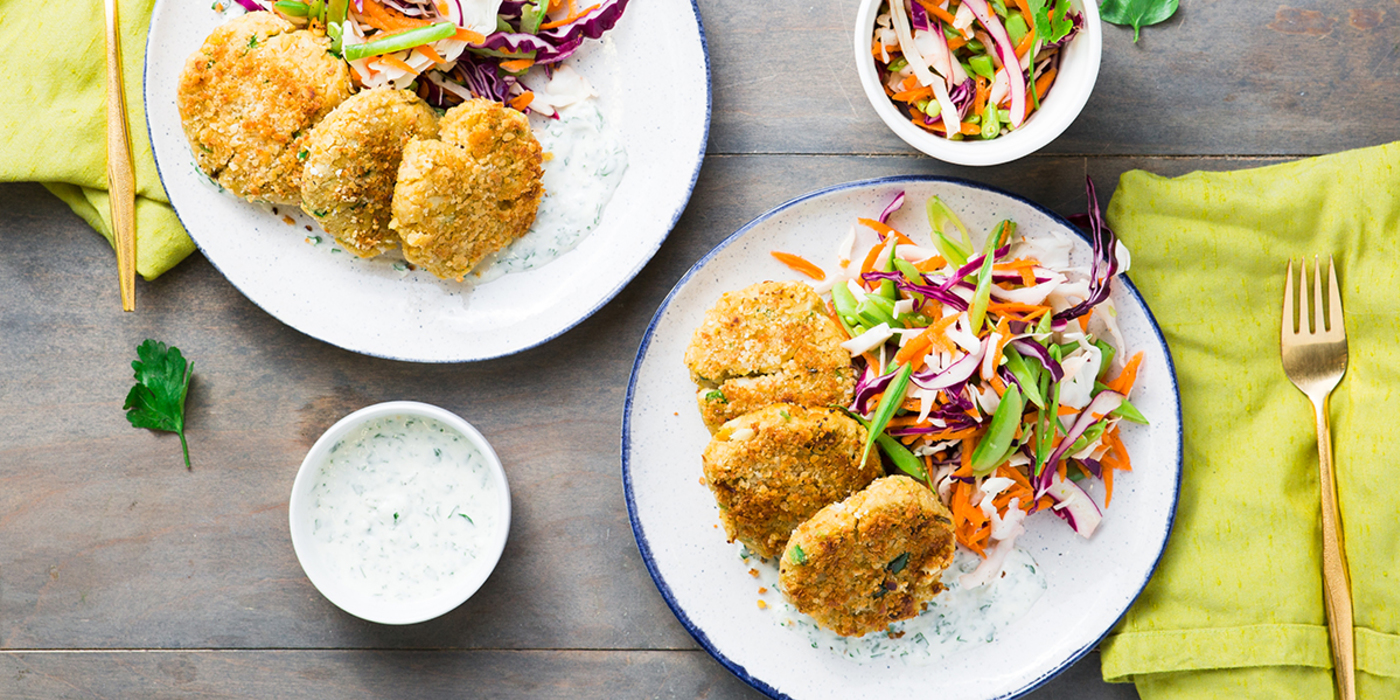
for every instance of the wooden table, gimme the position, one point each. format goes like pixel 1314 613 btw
pixel 123 575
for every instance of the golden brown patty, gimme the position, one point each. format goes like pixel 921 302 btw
pixel 773 468
pixel 248 99
pixel 766 343
pixel 470 194
pixel 870 560
pixel 352 163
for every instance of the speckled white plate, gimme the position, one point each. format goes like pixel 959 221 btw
pixel 1090 583
pixel 368 306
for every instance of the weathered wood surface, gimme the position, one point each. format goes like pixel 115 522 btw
pixel 108 547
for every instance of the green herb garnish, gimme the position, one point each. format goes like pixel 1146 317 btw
pixel 798 556
pixel 157 402
pixel 1135 13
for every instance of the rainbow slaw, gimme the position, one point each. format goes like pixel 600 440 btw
pixel 450 51
pixel 985 61
pixel 998 377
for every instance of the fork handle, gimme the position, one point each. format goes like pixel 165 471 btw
pixel 1336 582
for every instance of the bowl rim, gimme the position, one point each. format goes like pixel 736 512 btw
pixel 1086 50
pixel 386 612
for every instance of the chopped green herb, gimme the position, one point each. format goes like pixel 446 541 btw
pixel 468 517
pixel 302 154
pixel 716 395
pixel 898 564
pixel 157 401
pixel 798 556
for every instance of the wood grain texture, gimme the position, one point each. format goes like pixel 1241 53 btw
pixel 481 675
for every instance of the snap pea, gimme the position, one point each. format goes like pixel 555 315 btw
pixel 401 41
pixel 845 304
pixel 999 7
pixel 1027 374
pixel 902 457
pixel 316 9
pixel 932 109
pixel 1045 325
pixel 1108 352
pixel 291 8
pixel 996 443
pixel 1126 410
pixel 336 11
pixel 1016 28
pixel 898 64
pixel 1045 436
pixel 890 402
pixel 1092 433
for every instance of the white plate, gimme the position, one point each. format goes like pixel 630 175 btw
pixel 1090 583
pixel 657 98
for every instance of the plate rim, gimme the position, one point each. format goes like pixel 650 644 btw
pixel 644 547
pixel 606 298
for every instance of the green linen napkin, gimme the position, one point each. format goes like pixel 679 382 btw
pixel 1235 608
pixel 53 117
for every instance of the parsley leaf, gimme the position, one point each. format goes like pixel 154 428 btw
pixel 1051 30
pixel 1137 13
pixel 157 402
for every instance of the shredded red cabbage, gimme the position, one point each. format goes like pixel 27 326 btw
pixel 939 294
pixel 251 6
pixel 893 206
pixel 918 16
pixel 1105 260
pixel 1031 349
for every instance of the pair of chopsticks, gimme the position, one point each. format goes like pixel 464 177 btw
pixel 121 177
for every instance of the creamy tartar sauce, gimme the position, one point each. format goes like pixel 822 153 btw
pixel 956 619
pixel 402 507
pixel 584 165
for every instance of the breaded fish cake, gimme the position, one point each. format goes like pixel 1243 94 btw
pixel 470 194
pixel 248 99
pixel 766 343
pixel 870 560
pixel 352 162
pixel 773 468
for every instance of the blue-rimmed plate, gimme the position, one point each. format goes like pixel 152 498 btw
pixel 376 308
pixel 1090 583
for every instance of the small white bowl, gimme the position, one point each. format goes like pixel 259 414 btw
pixel 1079 70
pixel 334 582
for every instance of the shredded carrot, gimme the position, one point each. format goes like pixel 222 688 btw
pixel 800 264
pixel 1108 487
pixel 521 101
pixel 428 53
pixel 1000 387
pixel 965 468
pixel 1123 383
pixel 957 42
pixel 554 5
pixel 885 230
pixel 572 16
pixel 909 83
pixel 517 65
pixel 1043 83
pixel 983 91
pixel 1064 469
pixel 389 18
pixel 469 36
pixel 1116 443
pixel 1027 42
pixel 1001 307
pixel 934 263
pixel 937 11
pixel 1067 411
pixel 390 60
pixel 914 95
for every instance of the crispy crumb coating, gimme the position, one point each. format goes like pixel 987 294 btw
pixel 773 468
pixel 471 193
pixel 352 163
pixel 248 99
pixel 766 343
pixel 870 560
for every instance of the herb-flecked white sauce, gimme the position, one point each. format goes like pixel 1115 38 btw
pixel 955 619
pixel 403 507
pixel 585 164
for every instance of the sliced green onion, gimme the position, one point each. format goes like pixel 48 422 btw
pixel 337 11
pixel 991 124
pixel 1027 374
pixel 910 272
pixel 1107 352
pixel 977 311
pixel 982 65
pixel 532 16
pixel 938 215
pixel 402 41
pixel 902 457
pixel 845 304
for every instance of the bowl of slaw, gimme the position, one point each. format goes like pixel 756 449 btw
pixel 1077 70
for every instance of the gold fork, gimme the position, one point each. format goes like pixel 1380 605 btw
pixel 1315 359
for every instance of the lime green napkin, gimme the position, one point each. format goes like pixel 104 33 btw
pixel 1235 608
pixel 53 116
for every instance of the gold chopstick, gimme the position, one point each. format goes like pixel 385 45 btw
pixel 121 178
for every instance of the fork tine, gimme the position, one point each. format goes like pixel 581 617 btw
pixel 1318 307
pixel 1334 312
pixel 1289 327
